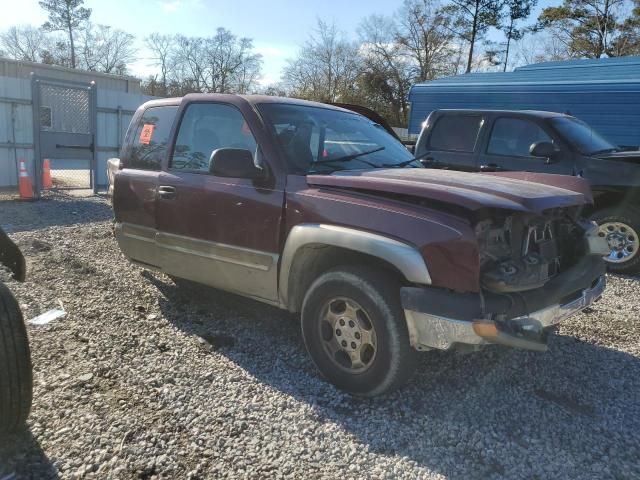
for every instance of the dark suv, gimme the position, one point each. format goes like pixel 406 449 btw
pixel 318 210
pixel 545 142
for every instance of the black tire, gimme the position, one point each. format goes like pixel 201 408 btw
pixel 16 380
pixel 394 360
pixel 630 217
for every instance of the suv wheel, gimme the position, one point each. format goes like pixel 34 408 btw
pixel 15 365
pixel 355 331
pixel 621 228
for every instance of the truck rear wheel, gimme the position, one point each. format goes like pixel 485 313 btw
pixel 16 381
pixel 621 228
pixel 355 331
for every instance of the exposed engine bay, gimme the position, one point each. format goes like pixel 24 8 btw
pixel 521 252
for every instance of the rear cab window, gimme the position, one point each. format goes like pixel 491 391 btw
pixel 455 133
pixel 151 138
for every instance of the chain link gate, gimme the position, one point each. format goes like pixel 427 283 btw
pixel 64 116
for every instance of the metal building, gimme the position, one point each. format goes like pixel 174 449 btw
pixel 75 119
pixel 605 93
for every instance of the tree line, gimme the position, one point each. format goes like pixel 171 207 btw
pixel 423 40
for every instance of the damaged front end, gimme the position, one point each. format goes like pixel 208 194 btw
pixel 523 252
pixel 535 270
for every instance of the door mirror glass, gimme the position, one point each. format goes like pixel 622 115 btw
pixel 543 149
pixel 234 163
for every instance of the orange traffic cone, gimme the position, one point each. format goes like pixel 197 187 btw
pixel 46 174
pixel 24 183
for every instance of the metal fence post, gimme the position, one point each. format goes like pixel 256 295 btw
pixel 14 108
pixel 35 107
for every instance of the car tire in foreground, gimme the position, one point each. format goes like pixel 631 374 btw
pixel 621 227
pixel 16 381
pixel 355 331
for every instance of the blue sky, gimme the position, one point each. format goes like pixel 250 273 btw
pixel 278 27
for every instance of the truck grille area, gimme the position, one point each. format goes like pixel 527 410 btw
pixel 523 252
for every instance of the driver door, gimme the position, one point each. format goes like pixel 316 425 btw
pixel 221 232
pixel 508 148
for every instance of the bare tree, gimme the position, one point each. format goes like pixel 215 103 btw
pixel 222 63
pixel 189 64
pixel 66 16
pixel 162 49
pixel 536 47
pixel 24 43
pixel 425 31
pixel 104 49
pixel 231 64
pixel 387 69
pixel 326 67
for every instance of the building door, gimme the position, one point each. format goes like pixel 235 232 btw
pixel 64 132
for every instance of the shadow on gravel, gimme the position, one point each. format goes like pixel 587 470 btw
pixel 52 210
pixel 22 458
pixel 487 414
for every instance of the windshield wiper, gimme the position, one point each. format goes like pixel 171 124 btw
pixel 417 158
pixel 604 150
pixel 353 156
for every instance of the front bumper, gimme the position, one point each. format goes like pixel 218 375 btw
pixel 441 319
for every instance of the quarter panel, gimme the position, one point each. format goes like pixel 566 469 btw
pixel 447 243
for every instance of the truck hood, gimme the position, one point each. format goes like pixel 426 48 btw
pixel 626 156
pixel 519 191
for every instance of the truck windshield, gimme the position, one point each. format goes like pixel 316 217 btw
pixel 322 140
pixel 584 138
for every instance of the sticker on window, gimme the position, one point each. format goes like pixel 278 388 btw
pixel 147 133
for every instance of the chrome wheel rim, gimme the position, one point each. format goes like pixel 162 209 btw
pixel 347 335
pixel 622 239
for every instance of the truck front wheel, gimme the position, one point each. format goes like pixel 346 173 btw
pixel 621 227
pixel 355 331
pixel 15 365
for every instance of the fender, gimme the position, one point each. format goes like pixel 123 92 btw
pixel 406 258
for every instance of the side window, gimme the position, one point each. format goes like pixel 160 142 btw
pixel 206 127
pixel 151 138
pixel 455 133
pixel 514 136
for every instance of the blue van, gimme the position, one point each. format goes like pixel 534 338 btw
pixel 605 93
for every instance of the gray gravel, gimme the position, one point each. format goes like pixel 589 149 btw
pixel 145 380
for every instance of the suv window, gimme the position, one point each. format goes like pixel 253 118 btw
pixel 206 127
pixel 455 133
pixel 514 136
pixel 151 138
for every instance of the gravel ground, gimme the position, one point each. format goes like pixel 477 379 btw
pixel 144 380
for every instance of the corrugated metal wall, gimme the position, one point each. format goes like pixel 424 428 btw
pixel 22 70
pixel 16 128
pixel 115 108
pixel 604 93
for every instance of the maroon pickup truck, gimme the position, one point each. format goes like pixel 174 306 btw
pixel 318 210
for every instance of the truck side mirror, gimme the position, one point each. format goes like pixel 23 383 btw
pixel 544 150
pixel 234 163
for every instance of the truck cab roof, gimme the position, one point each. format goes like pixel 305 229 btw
pixel 528 113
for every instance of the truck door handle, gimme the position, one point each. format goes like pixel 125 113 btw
pixel 167 192
pixel 491 167
pixel 427 160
